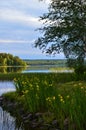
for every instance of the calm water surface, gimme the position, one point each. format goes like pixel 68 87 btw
pixel 7 122
pixel 46 69
pixel 35 69
pixel 6 86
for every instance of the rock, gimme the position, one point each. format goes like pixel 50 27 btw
pixel 1 98
pixel 66 124
pixel 38 114
pixel 1 101
pixel 46 126
pixel 34 124
pixel 28 117
pixel 55 123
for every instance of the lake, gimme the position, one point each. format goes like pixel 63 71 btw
pixel 6 86
pixel 7 122
pixel 36 69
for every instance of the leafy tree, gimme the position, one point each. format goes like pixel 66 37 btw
pixel 10 60
pixel 64 30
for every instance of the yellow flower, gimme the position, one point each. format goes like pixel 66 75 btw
pixel 50 85
pixel 54 97
pixel 59 95
pixel 26 91
pixel 48 99
pixel 75 85
pixel 80 83
pixel 62 100
pixel 68 96
pixel 37 86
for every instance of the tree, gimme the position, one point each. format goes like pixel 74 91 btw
pixel 10 60
pixel 64 29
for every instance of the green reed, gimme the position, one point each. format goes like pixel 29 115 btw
pixel 49 93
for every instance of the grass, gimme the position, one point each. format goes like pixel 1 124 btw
pixel 59 94
pixel 59 77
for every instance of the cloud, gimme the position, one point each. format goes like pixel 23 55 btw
pixel 12 15
pixel 23 11
pixel 18 20
pixel 33 5
pixel 15 41
pixel 20 48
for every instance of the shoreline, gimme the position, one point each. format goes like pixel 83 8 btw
pixel 34 121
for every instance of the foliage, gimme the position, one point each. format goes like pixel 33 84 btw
pixel 64 101
pixel 10 60
pixel 79 65
pixel 64 29
pixel 57 62
pixel 62 77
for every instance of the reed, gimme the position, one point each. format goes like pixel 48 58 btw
pixel 66 100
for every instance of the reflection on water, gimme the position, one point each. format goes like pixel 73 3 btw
pixel 11 69
pixel 47 69
pixel 7 122
pixel 35 69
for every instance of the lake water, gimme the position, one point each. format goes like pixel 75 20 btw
pixel 6 86
pixel 35 69
pixel 46 69
pixel 7 122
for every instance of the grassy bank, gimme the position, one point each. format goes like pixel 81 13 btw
pixel 58 94
pixel 58 77
pixel 62 77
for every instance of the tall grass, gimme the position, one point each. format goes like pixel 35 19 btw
pixel 58 77
pixel 67 101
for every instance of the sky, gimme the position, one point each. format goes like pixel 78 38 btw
pixel 19 20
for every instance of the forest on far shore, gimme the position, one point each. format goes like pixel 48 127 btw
pixel 10 60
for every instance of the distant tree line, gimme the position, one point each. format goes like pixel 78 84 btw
pixel 10 60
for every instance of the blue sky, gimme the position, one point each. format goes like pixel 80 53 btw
pixel 18 21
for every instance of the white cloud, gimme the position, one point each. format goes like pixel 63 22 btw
pixel 18 20
pixel 15 41
pixel 33 4
pixel 22 11
pixel 12 15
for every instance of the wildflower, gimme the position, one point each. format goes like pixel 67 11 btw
pixel 50 85
pixel 82 87
pixel 67 96
pixel 80 83
pixel 26 91
pixel 54 97
pixel 62 100
pixel 48 99
pixel 59 95
pixel 37 86
pixel 75 85
pixel 14 79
